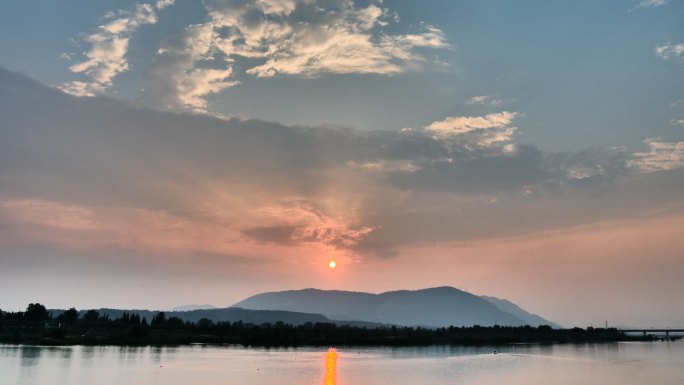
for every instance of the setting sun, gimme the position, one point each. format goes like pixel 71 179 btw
pixel 332 264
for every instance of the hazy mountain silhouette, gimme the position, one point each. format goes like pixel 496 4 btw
pixel 440 306
pixel 510 307
pixel 434 307
pixel 231 314
pixel 193 307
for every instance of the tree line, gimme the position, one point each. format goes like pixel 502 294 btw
pixel 36 325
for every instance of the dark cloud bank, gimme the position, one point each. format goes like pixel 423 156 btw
pixel 406 188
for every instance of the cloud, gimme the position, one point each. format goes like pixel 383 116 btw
pixel 668 51
pixel 161 4
pixel 106 57
pixel 652 3
pixel 303 222
pixel 303 38
pixel 51 214
pixel 310 38
pixel 172 185
pixel 77 88
pixel 660 156
pixel 384 166
pixel 484 100
pixel 173 81
pixel 476 131
pixel 677 103
pixel 281 235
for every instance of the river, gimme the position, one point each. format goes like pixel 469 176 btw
pixel 653 363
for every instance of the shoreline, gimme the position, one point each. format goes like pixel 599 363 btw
pixel 288 336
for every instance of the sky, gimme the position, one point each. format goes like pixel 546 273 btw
pixel 159 153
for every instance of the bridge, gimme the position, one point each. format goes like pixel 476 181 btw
pixel 652 331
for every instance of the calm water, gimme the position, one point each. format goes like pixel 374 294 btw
pixel 656 363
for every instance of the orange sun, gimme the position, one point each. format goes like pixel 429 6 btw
pixel 332 264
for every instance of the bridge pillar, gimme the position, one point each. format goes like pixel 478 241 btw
pixel 644 334
pixel 667 334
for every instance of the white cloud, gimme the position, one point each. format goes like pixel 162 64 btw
pixel 579 173
pixel 476 131
pixel 660 156
pixel 305 38
pixel 161 4
pixel 677 103
pixel 652 3
pixel 677 122
pixel 174 81
pixel 319 38
pixel 384 166
pixel 202 81
pixel 77 88
pixel 432 37
pixel 464 124
pixel 668 51
pixel 477 100
pixel 106 57
pixel 485 100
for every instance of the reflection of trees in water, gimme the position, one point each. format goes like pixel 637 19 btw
pixel 157 353
pixel 330 377
pixel 88 353
pixel 30 355
pixel 60 352
pixel 131 353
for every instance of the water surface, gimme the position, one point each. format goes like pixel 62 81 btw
pixel 640 363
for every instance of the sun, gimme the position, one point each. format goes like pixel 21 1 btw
pixel 332 264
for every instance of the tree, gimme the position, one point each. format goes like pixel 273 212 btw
pixel 175 322
pixel 159 319
pixel 36 313
pixel 205 323
pixel 91 316
pixel 70 316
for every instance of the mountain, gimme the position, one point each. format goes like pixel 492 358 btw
pixel 233 314
pixel 193 307
pixel 440 306
pixel 510 307
pixel 230 314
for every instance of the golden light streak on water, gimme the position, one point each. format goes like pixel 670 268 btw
pixel 330 377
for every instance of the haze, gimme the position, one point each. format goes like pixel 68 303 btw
pixel 160 153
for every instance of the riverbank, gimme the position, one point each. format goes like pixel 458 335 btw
pixel 36 326
pixel 304 335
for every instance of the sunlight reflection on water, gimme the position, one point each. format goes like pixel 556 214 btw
pixel 330 377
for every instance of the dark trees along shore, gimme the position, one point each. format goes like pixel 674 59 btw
pixel 36 325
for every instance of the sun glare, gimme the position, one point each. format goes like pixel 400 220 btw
pixel 332 264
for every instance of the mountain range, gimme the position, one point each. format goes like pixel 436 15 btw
pixel 433 307
pixel 191 307
pixel 230 314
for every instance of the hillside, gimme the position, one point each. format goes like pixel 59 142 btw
pixel 441 306
pixel 510 307
pixel 231 314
